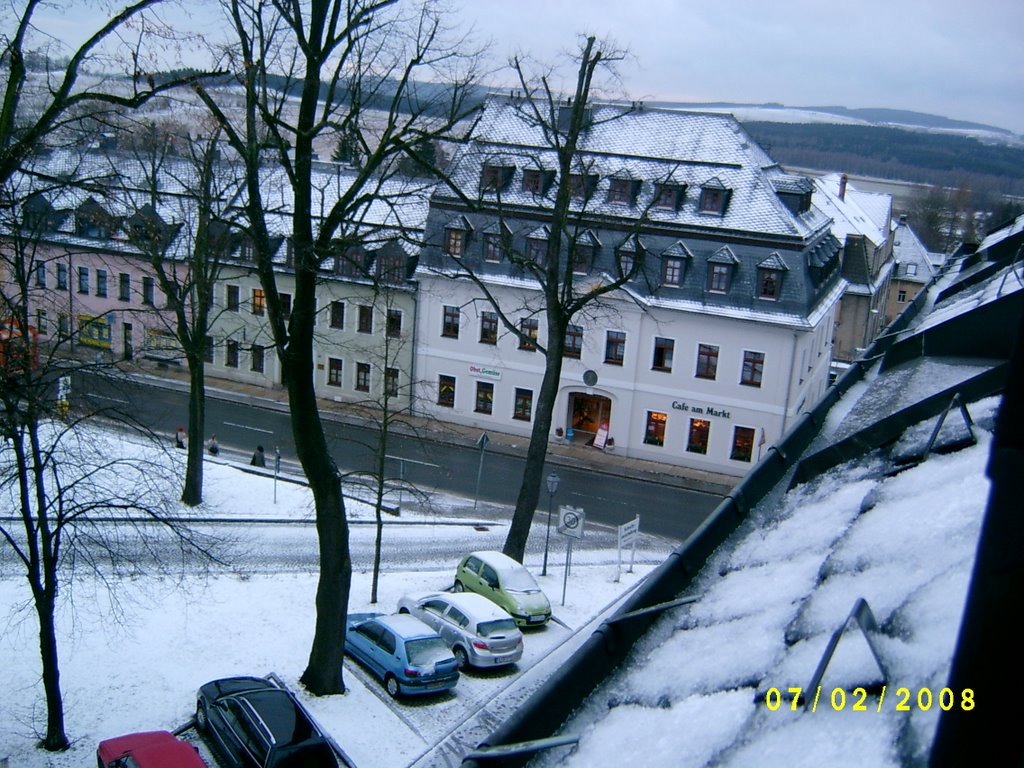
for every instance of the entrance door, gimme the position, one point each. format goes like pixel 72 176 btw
pixel 588 413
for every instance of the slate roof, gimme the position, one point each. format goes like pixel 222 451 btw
pixel 858 213
pixel 913 262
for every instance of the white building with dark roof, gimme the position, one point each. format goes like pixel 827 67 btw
pixel 703 358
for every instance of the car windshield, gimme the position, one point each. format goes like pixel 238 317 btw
pixel 519 580
pixel 496 627
pixel 427 650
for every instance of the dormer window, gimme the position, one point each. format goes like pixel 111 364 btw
pixel 769 277
pixel 456 237
pixel 91 220
pixel 537 245
pixel 583 252
pixel 623 190
pixel 626 255
pixel 714 198
pixel 720 268
pixel 496 239
pixel 536 181
pixel 672 271
pixel 495 177
pixel 668 196
pixel 582 186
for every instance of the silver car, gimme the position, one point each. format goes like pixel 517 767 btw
pixel 479 632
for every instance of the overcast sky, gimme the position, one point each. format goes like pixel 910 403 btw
pixel 958 58
pixel 955 58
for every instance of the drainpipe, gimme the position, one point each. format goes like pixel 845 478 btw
pixel 413 387
pixel 789 387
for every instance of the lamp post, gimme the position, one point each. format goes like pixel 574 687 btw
pixel 553 481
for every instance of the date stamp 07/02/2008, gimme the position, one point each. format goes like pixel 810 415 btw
pixel 904 700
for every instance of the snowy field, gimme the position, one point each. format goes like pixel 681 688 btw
pixel 132 658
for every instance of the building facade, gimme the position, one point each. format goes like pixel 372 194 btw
pixel 720 337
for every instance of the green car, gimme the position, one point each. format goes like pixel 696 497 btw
pixel 502 580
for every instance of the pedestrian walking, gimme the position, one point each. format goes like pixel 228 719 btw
pixel 179 438
pixel 214 446
pixel 259 459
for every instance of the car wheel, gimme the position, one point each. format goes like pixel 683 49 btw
pixel 458 586
pixel 460 656
pixel 403 610
pixel 202 720
pixel 391 686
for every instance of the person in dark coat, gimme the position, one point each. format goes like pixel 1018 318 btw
pixel 214 446
pixel 179 438
pixel 259 459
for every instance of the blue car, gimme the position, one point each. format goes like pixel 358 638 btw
pixel 407 655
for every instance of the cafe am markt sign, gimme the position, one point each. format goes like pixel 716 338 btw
pixel 701 410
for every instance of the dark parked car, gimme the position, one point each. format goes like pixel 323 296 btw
pixel 254 723
pixel 152 749
pixel 403 652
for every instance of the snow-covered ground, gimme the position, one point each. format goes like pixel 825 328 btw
pixel 133 658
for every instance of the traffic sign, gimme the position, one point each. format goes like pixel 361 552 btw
pixel 571 521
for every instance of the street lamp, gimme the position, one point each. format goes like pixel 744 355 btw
pixel 553 481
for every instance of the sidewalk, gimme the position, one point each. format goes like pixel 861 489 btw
pixel 559 454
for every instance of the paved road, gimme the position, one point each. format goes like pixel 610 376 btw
pixel 242 423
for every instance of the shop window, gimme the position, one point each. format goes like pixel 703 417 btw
pixel 742 444
pixel 258 358
pixel 484 397
pixel 573 341
pixel 697 442
pixel 337 314
pixel 334 371
pixel 365 324
pixel 753 368
pixel 450 322
pixel 488 328
pixel 615 347
pixel 391 382
pixel 523 410
pixel 231 354
pixel 663 350
pixel 707 361
pixel 362 377
pixel 259 301
pixel 529 326
pixel 394 323
pixel 446 391
pixel 654 434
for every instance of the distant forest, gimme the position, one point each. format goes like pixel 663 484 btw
pixel 946 160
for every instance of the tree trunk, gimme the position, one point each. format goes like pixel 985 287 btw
pixel 45 600
pixel 536 454
pixel 193 492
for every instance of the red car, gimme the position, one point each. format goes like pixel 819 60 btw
pixel 153 749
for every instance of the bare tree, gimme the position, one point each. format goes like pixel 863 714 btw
pixel 198 225
pixel 563 294
pixel 309 70
pixel 79 499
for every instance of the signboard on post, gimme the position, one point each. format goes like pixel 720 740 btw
pixel 628 534
pixel 570 524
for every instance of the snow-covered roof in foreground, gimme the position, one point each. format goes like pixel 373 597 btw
pixel 694 693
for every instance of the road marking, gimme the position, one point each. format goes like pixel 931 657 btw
pixel 111 399
pixel 246 426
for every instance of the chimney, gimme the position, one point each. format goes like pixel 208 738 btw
pixel 903 218
pixel 842 186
